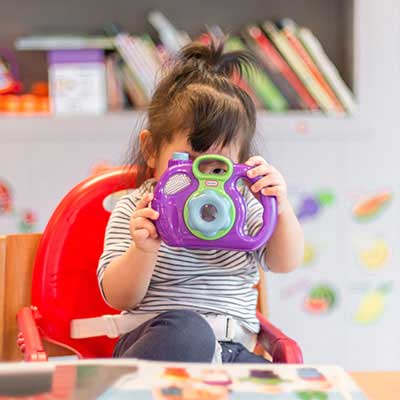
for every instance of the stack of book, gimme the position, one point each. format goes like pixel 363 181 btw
pixel 295 72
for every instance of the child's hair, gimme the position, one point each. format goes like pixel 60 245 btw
pixel 198 95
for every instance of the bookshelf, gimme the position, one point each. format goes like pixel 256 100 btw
pixel 331 21
pixel 335 23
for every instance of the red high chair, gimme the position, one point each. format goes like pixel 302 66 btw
pixel 64 282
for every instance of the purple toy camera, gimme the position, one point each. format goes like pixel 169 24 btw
pixel 206 210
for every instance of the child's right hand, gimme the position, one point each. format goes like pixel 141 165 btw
pixel 142 228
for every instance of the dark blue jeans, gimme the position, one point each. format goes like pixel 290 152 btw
pixel 179 335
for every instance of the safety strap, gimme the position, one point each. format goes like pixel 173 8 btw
pixel 225 328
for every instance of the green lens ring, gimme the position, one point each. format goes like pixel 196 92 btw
pixel 222 178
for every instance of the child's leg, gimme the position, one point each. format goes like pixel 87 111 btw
pixel 179 335
pixel 233 352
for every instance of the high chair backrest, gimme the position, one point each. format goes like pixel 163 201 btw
pixel 64 283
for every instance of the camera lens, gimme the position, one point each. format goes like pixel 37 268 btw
pixel 208 212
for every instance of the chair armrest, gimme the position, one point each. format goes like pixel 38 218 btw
pixel 282 348
pixel 29 340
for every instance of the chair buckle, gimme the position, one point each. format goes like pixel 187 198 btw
pixel 230 328
pixel 111 326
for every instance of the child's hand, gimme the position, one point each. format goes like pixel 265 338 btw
pixel 142 228
pixel 272 182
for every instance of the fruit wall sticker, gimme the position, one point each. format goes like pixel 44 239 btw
pixel 309 254
pixel 320 299
pixel 312 204
pixel 6 198
pixel 371 207
pixel 372 305
pixel 374 254
pixel 28 221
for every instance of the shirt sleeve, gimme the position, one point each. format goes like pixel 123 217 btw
pixel 117 237
pixel 254 222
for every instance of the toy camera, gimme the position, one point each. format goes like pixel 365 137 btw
pixel 206 210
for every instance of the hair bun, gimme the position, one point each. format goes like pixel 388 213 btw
pixel 212 57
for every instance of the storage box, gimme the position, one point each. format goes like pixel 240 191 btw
pixel 77 81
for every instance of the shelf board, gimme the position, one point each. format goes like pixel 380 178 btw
pixel 294 125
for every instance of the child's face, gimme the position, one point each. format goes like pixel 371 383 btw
pixel 180 144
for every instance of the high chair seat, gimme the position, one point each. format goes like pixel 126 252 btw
pixel 64 281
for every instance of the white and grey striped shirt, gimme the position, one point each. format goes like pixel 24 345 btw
pixel 206 281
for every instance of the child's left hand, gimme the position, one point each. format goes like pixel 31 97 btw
pixel 272 182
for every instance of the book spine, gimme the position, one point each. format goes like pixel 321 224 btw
pixel 137 71
pixel 299 67
pixel 141 64
pixel 66 42
pixel 262 85
pixel 132 88
pixel 114 92
pixel 270 57
pixel 275 76
pixel 289 30
pixel 314 48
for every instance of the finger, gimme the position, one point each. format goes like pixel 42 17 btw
pixel 144 201
pixel 262 169
pixel 140 235
pixel 272 191
pixel 255 160
pixel 145 213
pixel 143 223
pixel 264 182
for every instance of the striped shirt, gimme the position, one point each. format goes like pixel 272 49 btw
pixel 206 281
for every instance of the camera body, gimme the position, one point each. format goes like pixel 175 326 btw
pixel 206 210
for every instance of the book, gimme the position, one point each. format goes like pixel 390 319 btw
pixel 133 63
pixel 289 29
pixel 258 80
pixel 115 91
pixel 300 68
pixel 136 379
pixel 286 79
pixel 172 39
pixel 328 69
pixel 142 59
pixel 132 88
pixel 63 42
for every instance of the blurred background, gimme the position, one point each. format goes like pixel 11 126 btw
pixel 75 79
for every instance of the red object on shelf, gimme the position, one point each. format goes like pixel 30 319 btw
pixel 40 89
pixel 26 104
pixel 10 103
pixel 64 282
pixel 9 82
